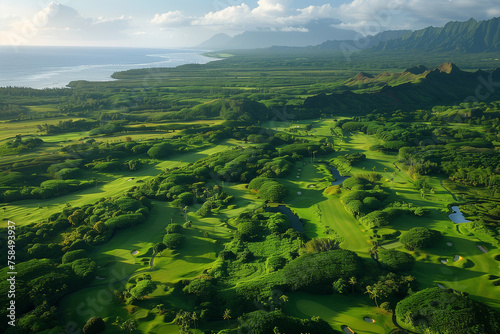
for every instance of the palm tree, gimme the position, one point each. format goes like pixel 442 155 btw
pixel 353 282
pixel 227 315
pixel 194 317
pixel 373 293
pixel 284 298
pixel 130 324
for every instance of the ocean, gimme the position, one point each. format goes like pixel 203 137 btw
pixel 54 67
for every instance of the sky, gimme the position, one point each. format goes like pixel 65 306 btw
pixel 186 23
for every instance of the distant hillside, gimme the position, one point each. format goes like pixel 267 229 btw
pixel 311 34
pixel 363 43
pixel 470 36
pixel 218 41
pixel 415 88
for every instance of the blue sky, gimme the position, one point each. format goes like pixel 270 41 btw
pixel 184 23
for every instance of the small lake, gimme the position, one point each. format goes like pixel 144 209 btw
pixel 338 178
pixel 295 222
pixel 457 217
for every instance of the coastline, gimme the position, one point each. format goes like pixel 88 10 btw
pixel 58 67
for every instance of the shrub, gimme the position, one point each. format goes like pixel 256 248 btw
pixel 317 271
pixel 173 240
pixel 74 255
pixel 274 263
pixel 124 221
pixel 273 191
pixel 394 260
pixel 419 237
pixel 173 228
pixel 256 183
pixel 446 311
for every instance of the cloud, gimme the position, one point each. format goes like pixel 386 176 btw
pixel 57 23
pixel 275 14
pixel 171 19
pixel 372 16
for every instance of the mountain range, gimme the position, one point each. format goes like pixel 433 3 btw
pixel 311 34
pixel 465 37
pixel 468 37
pixel 415 88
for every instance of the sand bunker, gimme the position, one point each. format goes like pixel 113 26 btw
pixel 347 330
pixel 457 258
pixel 444 261
pixel 449 244
pixel 135 252
pixel 482 249
pixel 370 320
pixel 311 186
pixel 441 286
pixel 299 193
pixel 298 177
pixel 130 179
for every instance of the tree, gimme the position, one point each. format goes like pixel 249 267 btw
pixel 284 298
pixel 143 288
pixel 373 293
pixel 353 282
pixel 194 317
pixel 419 237
pixel 94 325
pixel 159 247
pixel 130 325
pixel 227 315
pixel 394 260
pixel 173 240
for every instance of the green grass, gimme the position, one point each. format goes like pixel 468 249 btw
pixel 340 310
pixel 31 211
pixel 116 262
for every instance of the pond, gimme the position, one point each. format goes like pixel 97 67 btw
pixel 295 222
pixel 457 217
pixel 338 178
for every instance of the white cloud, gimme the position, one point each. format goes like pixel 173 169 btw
pixel 268 14
pixel 372 16
pixel 230 16
pixel 57 23
pixel 171 19
pixel 296 29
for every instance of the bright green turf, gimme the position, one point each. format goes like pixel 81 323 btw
pixel 340 310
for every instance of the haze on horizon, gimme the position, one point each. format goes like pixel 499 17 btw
pixel 169 24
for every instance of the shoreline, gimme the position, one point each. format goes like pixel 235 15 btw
pixel 52 74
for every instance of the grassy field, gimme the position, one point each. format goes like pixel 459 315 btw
pixel 31 211
pixel 340 310
pixel 320 211
pixel 116 264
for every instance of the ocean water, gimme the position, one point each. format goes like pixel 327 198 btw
pixel 54 67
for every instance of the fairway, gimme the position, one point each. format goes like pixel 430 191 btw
pixel 340 310
pixel 29 211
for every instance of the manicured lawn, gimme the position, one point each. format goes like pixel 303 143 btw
pixel 31 211
pixel 340 310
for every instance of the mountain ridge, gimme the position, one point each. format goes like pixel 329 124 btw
pixel 445 84
pixel 468 37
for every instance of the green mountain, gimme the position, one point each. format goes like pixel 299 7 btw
pixel 414 88
pixel 469 37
